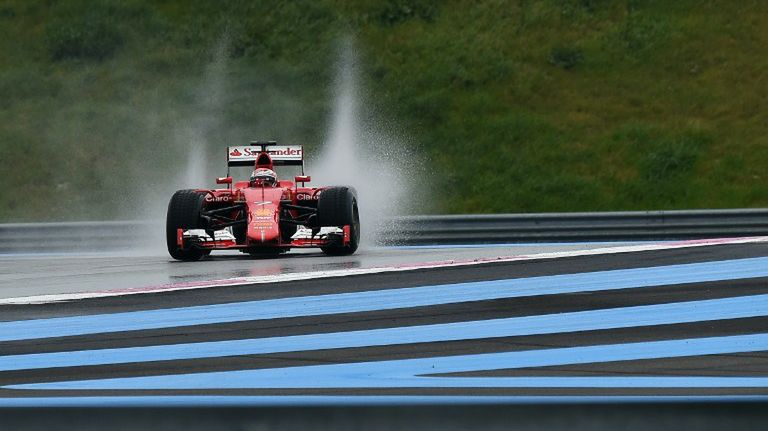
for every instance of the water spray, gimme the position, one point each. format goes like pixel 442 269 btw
pixel 192 138
pixel 360 154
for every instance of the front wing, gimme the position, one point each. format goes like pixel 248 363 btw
pixel 224 240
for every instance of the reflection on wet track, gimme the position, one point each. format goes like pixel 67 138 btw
pixel 28 275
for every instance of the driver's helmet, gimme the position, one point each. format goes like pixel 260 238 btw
pixel 264 177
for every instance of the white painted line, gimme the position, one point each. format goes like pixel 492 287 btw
pixel 281 278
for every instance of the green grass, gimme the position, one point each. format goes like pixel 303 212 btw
pixel 518 106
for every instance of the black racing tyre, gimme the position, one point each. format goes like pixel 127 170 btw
pixel 337 206
pixel 183 213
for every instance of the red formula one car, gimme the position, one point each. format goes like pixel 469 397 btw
pixel 264 215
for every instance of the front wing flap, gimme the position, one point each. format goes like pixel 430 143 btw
pixel 225 240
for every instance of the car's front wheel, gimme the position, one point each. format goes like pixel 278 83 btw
pixel 183 213
pixel 337 206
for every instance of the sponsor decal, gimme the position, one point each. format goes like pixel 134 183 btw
pixel 307 197
pixel 286 152
pixel 223 198
pixel 262 211
pixel 277 153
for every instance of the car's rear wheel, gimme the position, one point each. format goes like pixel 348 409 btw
pixel 183 213
pixel 337 206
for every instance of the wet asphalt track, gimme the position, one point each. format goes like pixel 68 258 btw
pixel 665 338
pixel 683 323
pixel 36 274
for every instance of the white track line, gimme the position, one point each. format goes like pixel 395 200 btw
pixel 281 278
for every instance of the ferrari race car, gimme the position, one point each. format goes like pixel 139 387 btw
pixel 264 215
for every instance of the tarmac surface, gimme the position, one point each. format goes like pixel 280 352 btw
pixel 38 274
pixel 678 322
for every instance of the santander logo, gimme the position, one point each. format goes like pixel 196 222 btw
pixel 286 152
pixel 279 153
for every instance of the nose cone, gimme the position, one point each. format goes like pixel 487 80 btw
pixel 263 215
pixel 264 225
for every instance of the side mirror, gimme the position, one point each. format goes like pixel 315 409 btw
pixel 302 178
pixel 224 180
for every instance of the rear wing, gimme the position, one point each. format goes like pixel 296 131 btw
pixel 281 155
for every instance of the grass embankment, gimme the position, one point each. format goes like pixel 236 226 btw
pixel 519 106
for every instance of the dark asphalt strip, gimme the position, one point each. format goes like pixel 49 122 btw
pixel 753 364
pixel 563 415
pixel 403 351
pixel 459 312
pixel 8 393
pixel 371 282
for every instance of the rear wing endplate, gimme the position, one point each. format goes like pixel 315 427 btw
pixel 281 155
